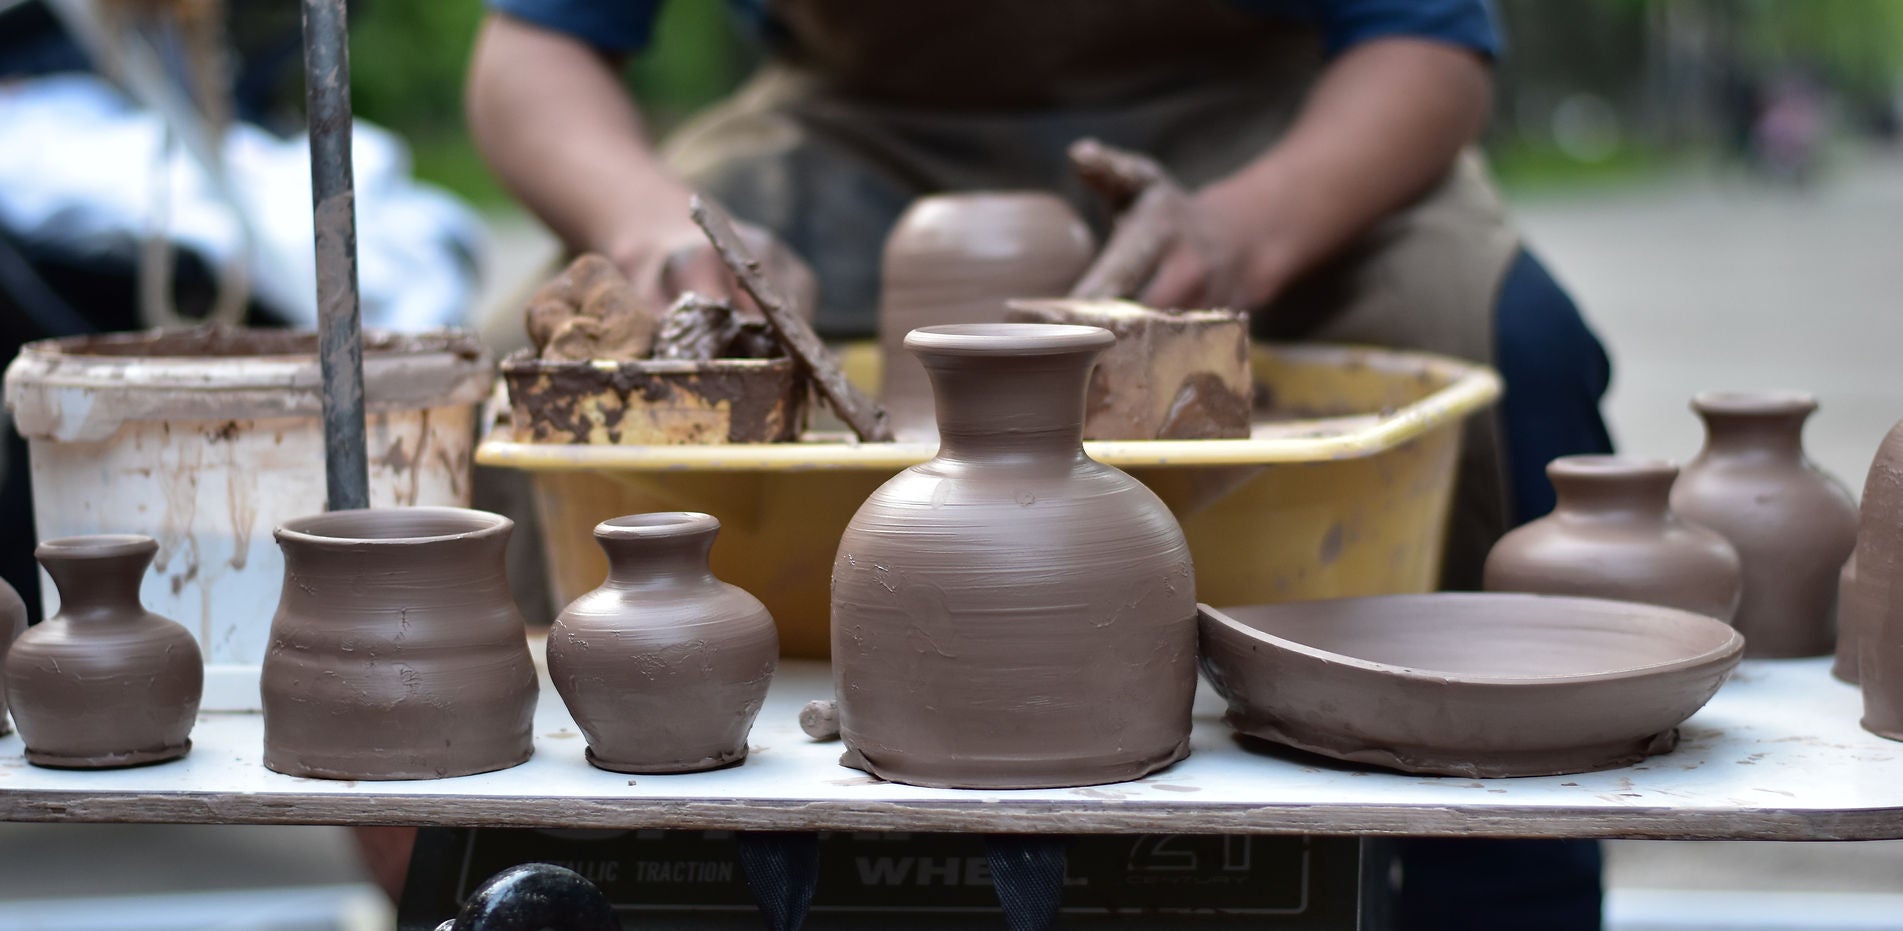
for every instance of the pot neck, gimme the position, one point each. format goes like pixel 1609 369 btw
pixel 1010 408
pixel 1769 427
pixel 650 550
pixel 1605 487
pixel 98 578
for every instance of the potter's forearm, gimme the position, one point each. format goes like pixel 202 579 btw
pixel 552 118
pixel 1384 122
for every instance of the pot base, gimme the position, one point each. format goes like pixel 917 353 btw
pixel 977 775
pixel 1441 761
pixel 109 760
pixel 1883 732
pixel 663 769
pixel 319 771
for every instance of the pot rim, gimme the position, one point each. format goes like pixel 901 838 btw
pixel 96 546
pixel 1009 339
pixel 311 529
pixel 1610 466
pixel 1771 401
pixel 657 525
pixel 1727 652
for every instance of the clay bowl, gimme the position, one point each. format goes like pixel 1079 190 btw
pixel 1459 684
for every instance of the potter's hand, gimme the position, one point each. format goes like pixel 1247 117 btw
pixel 1168 248
pixel 667 259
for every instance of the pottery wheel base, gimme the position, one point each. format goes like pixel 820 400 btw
pixel 1094 773
pixel 1443 761
pixel 663 769
pixel 107 761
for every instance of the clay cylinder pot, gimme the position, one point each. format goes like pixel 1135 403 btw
pixel 1612 534
pixel 1793 526
pixel 664 666
pixel 397 651
pixel 956 258
pixel 104 682
pixel 1012 614
pixel 1876 604
pixel 12 625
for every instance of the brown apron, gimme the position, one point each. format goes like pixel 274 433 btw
pixel 885 102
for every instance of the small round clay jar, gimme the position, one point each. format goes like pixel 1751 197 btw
pixel 103 683
pixel 957 258
pixel 397 651
pixel 664 666
pixel 1612 534
pixel 12 625
pixel 1792 525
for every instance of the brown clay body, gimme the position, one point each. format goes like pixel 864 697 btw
pixel 1793 526
pixel 105 682
pixel 12 625
pixel 664 667
pixel 1877 600
pixel 1855 607
pixel 397 651
pixel 956 258
pixel 1613 535
pixel 1012 614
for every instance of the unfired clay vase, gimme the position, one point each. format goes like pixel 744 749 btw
pixel 12 625
pixel 1793 526
pixel 1012 614
pixel 397 651
pixel 1613 535
pixel 664 666
pixel 956 258
pixel 104 682
pixel 1855 606
pixel 1877 609
pixel 1467 684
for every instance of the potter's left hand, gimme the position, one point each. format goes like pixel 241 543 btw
pixel 1168 248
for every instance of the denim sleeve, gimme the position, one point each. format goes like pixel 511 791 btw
pixel 1346 23
pixel 617 27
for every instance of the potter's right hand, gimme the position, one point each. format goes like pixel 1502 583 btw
pixel 665 257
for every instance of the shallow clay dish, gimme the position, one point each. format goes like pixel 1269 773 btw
pixel 1476 685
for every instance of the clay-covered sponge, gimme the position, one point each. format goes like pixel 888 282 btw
pixel 1467 684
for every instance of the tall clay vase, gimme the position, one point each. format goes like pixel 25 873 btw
pixel 1012 614
pixel 1612 534
pixel 664 666
pixel 1877 599
pixel 12 625
pixel 957 258
pixel 105 682
pixel 397 651
pixel 1793 526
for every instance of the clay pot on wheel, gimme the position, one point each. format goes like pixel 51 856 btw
pixel 1012 614
pixel 956 258
pixel 103 683
pixel 664 666
pixel 1612 534
pixel 1875 612
pixel 1793 526
pixel 12 625
pixel 397 651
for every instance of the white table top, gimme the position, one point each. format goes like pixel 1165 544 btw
pixel 1777 755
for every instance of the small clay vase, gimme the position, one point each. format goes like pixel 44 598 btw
pixel 1793 526
pixel 664 666
pixel 1012 614
pixel 1855 606
pixel 957 258
pixel 104 683
pixel 397 651
pixel 1612 534
pixel 12 625
pixel 1876 604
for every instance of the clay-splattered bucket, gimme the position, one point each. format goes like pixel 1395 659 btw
pixel 207 439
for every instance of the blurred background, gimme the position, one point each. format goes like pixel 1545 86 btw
pixel 1719 183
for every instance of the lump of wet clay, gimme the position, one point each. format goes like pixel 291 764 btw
pixel 1171 376
pixel 696 328
pixel 589 311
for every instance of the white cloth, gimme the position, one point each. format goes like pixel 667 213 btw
pixel 77 173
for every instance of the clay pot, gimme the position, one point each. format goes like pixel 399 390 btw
pixel 1612 534
pixel 956 258
pixel 12 625
pixel 1793 526
pixel 1012 614
pixel 1855 607
pixel 103 683
pixel 397 651
pixel 664 666
pixel 1876 611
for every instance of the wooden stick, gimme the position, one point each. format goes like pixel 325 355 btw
pixel 866 418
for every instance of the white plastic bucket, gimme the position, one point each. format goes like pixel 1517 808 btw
pixel 207 439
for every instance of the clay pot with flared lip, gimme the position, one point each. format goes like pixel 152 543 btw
pixel 1612 534
pixel 1875 608
pixel 956 258
pixel 103 683
pixel 12 625
pixel 397 651
pixel 664 666
pixel 1792 525
pixel 1012 614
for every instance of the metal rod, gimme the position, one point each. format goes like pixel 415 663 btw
pixel 334 213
